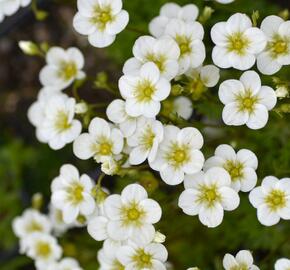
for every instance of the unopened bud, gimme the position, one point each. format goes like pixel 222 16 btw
pixel 29 48
pixel 37 201
pixel 81 108
pixel 159 237
pixel 282 92
pixel 110 166
pixel 206 14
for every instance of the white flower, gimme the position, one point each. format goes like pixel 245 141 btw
pixel 72 193
pixel 208 194
pixel 65 264
pixel 43 248
pixel 116 113
pixel 100 20
pixel 9 7
pixel 243 260
pixel 127 216
pixel 150 256
pixel 241 166
pixel 246 101
pixel 169 11
pixel 54 120
pixel 145 140
pixel 189 37
pixel 163 52
pixel 182 106
pixel 282 264
pixel 102 141
pixel 207 75
pixel 63 67
pixel 224 1
pixel 29 222
pixel 237 42
pixel 143 92
pixel 179 153
pixel 272 200
pixel 277 52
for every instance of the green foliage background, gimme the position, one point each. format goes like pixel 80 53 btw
pixel 27 167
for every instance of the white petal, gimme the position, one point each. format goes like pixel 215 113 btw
pixel 132 66
pixel 232 116
pixel 285 211
pixel 210 75
pixel 213 162
pixel 191 137
pixel 188 202
pixel 133 192
pixel 150 72
pixel 257 38
pixel 99 128
pixel 229 262
pixel 101 39
pixel 217 176
pixel 75 55
pixel 120 22
pixel 270 25
pixel 226 152
pixel 266 216
pixel 238 23
pixel 219 34
pixel 163 88
pixel 193 181
pixel 229 89
pixel 112 207
pixel 117 231
pixel 83 146
pixel 242 62
pixel 249 180
pixel 267 97
pixel 152 210
pixel 220 57
pixel 266 64
pixel 258 118
pixel 256 197
pixel 171 176
pixel 70 173
pixel 230 198
pixel 138 155
pixel 245 257
pixel 196 162
pixel 116 111
pixel 211 217
pixel 248 158
pixel 83 25
pixel 189 12
pixel 157 26
pixel 97 228
pixel 269 183
pixel 251 81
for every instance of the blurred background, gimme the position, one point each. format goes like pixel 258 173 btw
pixel 27 166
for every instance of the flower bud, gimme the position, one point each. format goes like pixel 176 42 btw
pixel 159 237
pixel 282 92
pixel 29 48
pixel 110 166
pixel 37 201
pixel 81 108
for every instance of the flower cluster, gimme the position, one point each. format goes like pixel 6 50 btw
pixel 36 233
pixel 150 122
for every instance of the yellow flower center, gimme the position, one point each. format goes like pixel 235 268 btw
pixel 158 60
pixel 68 70
pixel 247 101
pixel 144 91
pixel 75 193
pixel 238 43
pixel 276 199
pixel 102 16
pixel 105 149
pixel 184 44
pixel 279 46
pixel 177 155
pixel 209 195
pixel 43 249
pixel 240 267
pixel 62 122
pixel 33 226
pixel 142 259
pixel 196 88
pixel 235 169
pixel 132 214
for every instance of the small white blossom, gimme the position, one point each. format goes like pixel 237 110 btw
pixel 243 260
pixel 150 256
pixel 116 113
pixel 282 264
pixel 101 142
pixel 72 193
pixel 182 106
pixel 143 92
pixel 127 216
pixel 208 194
pixel 63 67
pixel 169 11
pixel 246 101
pixel 9 7
pixel 145 140
pixel 241 166
pixel 277 52
pixel 54 120
pixel 43 248
pixel 163 52
pixel 29 222
pixel 100 20
pixel 272 200
pixel 178 153
pixel 237 42
pixel 189 38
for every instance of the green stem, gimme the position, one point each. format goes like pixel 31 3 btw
pixel 99 181
pixel 135 30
